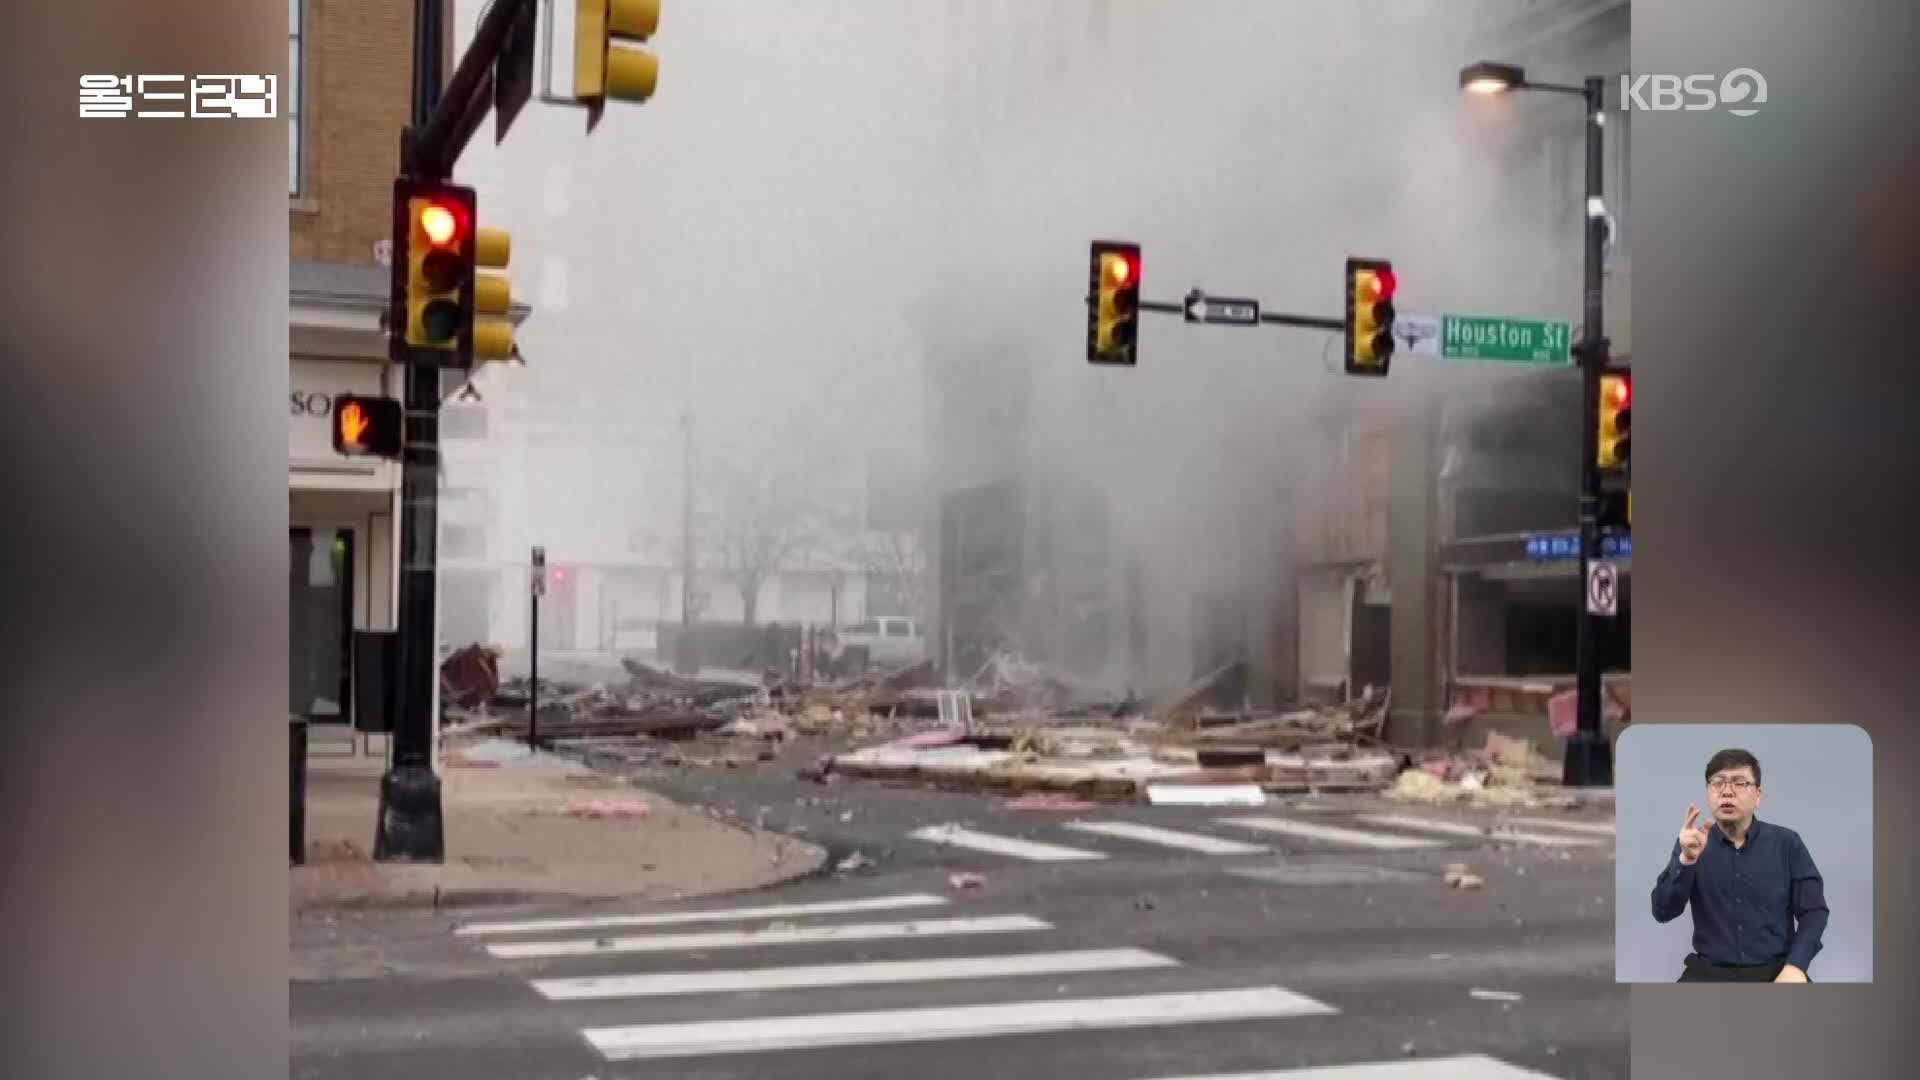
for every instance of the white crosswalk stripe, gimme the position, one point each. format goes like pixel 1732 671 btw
pixel 1591 828
pixel 1332 834
pixel 773 935
pixel 959 836
pixel 1173 838
pixel 1465 1067
pixel 706 1037
pixel 1002 1004
pixel 681 918
pixel 1479 832
pixel 870 973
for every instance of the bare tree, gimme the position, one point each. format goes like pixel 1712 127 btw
pixel 898 557
pixel 759 520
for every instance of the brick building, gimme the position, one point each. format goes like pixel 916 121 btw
pixel 349 65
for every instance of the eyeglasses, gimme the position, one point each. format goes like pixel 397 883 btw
pixel 1741 784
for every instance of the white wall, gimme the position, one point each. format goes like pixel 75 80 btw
pixel 311 460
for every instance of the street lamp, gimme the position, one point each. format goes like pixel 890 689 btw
pixel 1589 758
pixel 1487 77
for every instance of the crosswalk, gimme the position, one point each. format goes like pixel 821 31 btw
pixel 1395 832
pixel 630 1016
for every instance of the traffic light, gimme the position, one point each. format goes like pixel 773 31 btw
pixel 366 426
pixel 1369 317
pixel 492 296
pixel 1113 310
pixel 1615 420
pixel 605 62
pixel 433 265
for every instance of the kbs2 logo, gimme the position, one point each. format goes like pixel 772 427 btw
pixel 1738 91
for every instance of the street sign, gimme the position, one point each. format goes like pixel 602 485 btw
pixel 1220 310
pixel 537 577
pixel 1603 588
pixel 1554 546
pixel 1419 335
pixel 1493 337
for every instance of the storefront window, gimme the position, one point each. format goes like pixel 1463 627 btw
pixel 320 625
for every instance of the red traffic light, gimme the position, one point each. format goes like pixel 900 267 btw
pixel 442 222
pixel 1619 388
pixel 1383 284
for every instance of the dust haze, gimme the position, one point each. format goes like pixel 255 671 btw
pixel 859 229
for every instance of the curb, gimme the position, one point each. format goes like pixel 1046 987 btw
pixel 439 899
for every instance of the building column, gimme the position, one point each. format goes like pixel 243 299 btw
pixel 1413 574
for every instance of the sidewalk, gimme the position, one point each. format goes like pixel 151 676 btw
pixel 522 828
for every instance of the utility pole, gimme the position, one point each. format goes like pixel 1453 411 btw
pixel 410 827
pixel 536 587
pixel 1589 757
pixel 687 662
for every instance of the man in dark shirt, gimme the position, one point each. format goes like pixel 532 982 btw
pixel 1758 905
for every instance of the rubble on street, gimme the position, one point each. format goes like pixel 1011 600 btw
pixel 1017 729
pixel 1505 772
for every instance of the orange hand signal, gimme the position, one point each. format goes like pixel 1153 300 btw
pixel 353 423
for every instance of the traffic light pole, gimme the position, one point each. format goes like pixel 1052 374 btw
pixel 1589 756
pixel 410 827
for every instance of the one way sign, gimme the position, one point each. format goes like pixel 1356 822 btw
pixel 1201 308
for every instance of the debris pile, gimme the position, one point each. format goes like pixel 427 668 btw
pixel 1017 728
pixel 653 703
pixel 1505 772
pixel 1106 764
pixel 471 676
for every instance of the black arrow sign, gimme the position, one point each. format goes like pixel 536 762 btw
pixel 1220 310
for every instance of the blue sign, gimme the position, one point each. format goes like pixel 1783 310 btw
pixel 1557 546
pixel 1567 546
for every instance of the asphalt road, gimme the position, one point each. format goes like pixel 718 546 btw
pixel 1259 951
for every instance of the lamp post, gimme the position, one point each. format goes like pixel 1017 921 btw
pixel 1589 757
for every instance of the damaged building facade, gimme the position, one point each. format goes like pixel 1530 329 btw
pixel 1405 543
pixel 1066 530
pixel 1441 564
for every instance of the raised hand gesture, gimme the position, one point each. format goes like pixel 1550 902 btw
pixel 1693 838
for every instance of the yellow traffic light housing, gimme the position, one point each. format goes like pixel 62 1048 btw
pixel 433 269
pixel 1113 315
pixel 606 63
pixel 1370 286
pixel 1615 420
pixel 492 296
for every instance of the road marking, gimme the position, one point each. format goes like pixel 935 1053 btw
pixel 1592 828
pixel 676 918
pixel 868 974
pixel 1001 845
pixel 1463 828
pixel 1153 834
pixel 1311 875
pixel 776 935
pixel 1467 1067
pixel 1331 833
pixel 949 1022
